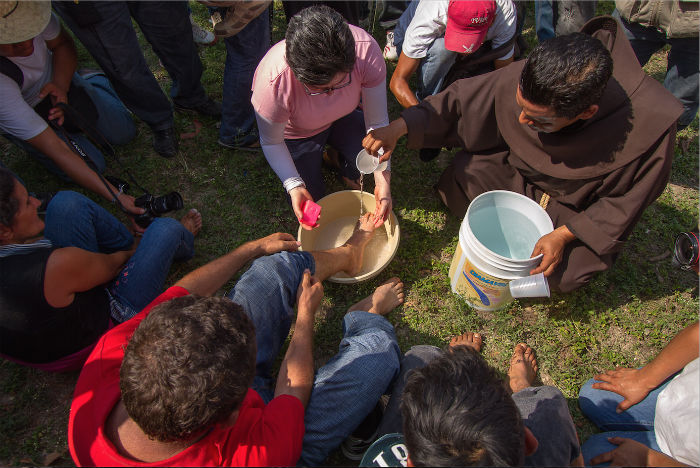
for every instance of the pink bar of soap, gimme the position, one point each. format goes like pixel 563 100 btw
pixel 311 212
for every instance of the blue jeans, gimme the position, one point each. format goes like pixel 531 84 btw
pixel 345 135
pixel 114 123
pixel 636 423
pixel 243 53
pixel 682 72
pixel 437 62
pixel 73 220
pixel 347 388
pixel 111 40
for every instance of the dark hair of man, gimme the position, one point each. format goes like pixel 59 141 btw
pixel 319 45
pixel 8 203
pixel 458 412
pixel 567 73
pixel 188 366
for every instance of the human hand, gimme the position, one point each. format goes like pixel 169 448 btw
pixel 382 198
pixel 127 202
pixel 384 137
pixel 629 383
pixel 276 242
pixel 57 95
pixel 552 247
pixel 299 195
pixel 309 294
pixel 628 453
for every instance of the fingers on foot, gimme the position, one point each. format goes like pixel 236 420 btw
pixel 192 221
pixel 469 339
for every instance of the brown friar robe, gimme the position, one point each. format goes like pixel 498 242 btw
pixel 600 173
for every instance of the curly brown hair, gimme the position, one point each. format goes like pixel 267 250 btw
pixel 188 366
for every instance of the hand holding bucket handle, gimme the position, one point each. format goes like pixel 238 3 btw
pixel 551 246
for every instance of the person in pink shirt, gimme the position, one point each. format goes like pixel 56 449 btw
pixel 324 84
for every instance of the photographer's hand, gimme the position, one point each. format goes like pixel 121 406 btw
pixel 127 201
pixel 57 95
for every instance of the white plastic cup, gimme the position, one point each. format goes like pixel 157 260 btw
pixel 367 164
pixel 530 286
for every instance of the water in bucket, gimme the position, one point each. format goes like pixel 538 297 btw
pixel 505 231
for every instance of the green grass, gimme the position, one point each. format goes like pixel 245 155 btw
pixel 623 317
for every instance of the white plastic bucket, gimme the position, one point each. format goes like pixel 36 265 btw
pixel 496 239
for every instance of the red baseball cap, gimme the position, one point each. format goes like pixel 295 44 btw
pixel 468 21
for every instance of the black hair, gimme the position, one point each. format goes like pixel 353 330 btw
pixel 567 73
pixel 319 45
pixel 188 366
pixel 8 203
pixel 457 411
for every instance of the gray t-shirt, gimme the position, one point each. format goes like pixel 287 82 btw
pixel 544 412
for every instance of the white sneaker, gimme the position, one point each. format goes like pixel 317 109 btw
pixel 201 36
pixel 390 48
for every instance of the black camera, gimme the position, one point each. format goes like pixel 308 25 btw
pixel 685 250
pixel 156 206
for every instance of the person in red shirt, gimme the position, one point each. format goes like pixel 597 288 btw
pixel 186 381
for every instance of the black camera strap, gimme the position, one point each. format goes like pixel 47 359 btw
pixel 100 141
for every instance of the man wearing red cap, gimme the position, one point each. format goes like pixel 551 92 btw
pixel 433 35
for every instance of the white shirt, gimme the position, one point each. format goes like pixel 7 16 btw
pixel 677 417
pixel 430 21
pixel 17 116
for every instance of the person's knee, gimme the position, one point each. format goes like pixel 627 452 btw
pixel 68 204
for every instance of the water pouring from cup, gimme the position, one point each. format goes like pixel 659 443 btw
pixel 367 164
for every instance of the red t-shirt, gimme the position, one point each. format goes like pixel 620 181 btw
pixel 263 435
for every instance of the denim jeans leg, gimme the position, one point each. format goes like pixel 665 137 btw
pixel 544 19
pixel 433 68
pixel 142 278
pixel 599 406
pixel 348 387
pixel 243 53
pixel 112 42
pixel 73 220
pixel 307 154
pixel 267 293
pixel 598 443
pixel 346 136
pixel 682 76
pixel 415 358
pixel 403 23
pixel 114 121
pixel 167 27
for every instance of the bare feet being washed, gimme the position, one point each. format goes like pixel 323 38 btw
pixel 468 339
pixel 364 230
pixel 523 368
pixel 384 299
pixel 192 221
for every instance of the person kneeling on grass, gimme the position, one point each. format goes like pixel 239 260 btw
pixel 652 413
pixel 188 381
pixel 60 292
pixel 455 410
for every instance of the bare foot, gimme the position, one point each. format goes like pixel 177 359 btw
pixel 384 299
pixel 192 221
pixel 468 339
pixel 364 230
pixel 523 368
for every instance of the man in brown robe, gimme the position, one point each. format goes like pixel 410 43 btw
pixel 597 147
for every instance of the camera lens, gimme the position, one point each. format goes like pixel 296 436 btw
pixel 686 248
pixel 169 202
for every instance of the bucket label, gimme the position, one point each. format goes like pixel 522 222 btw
pixel 481 290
